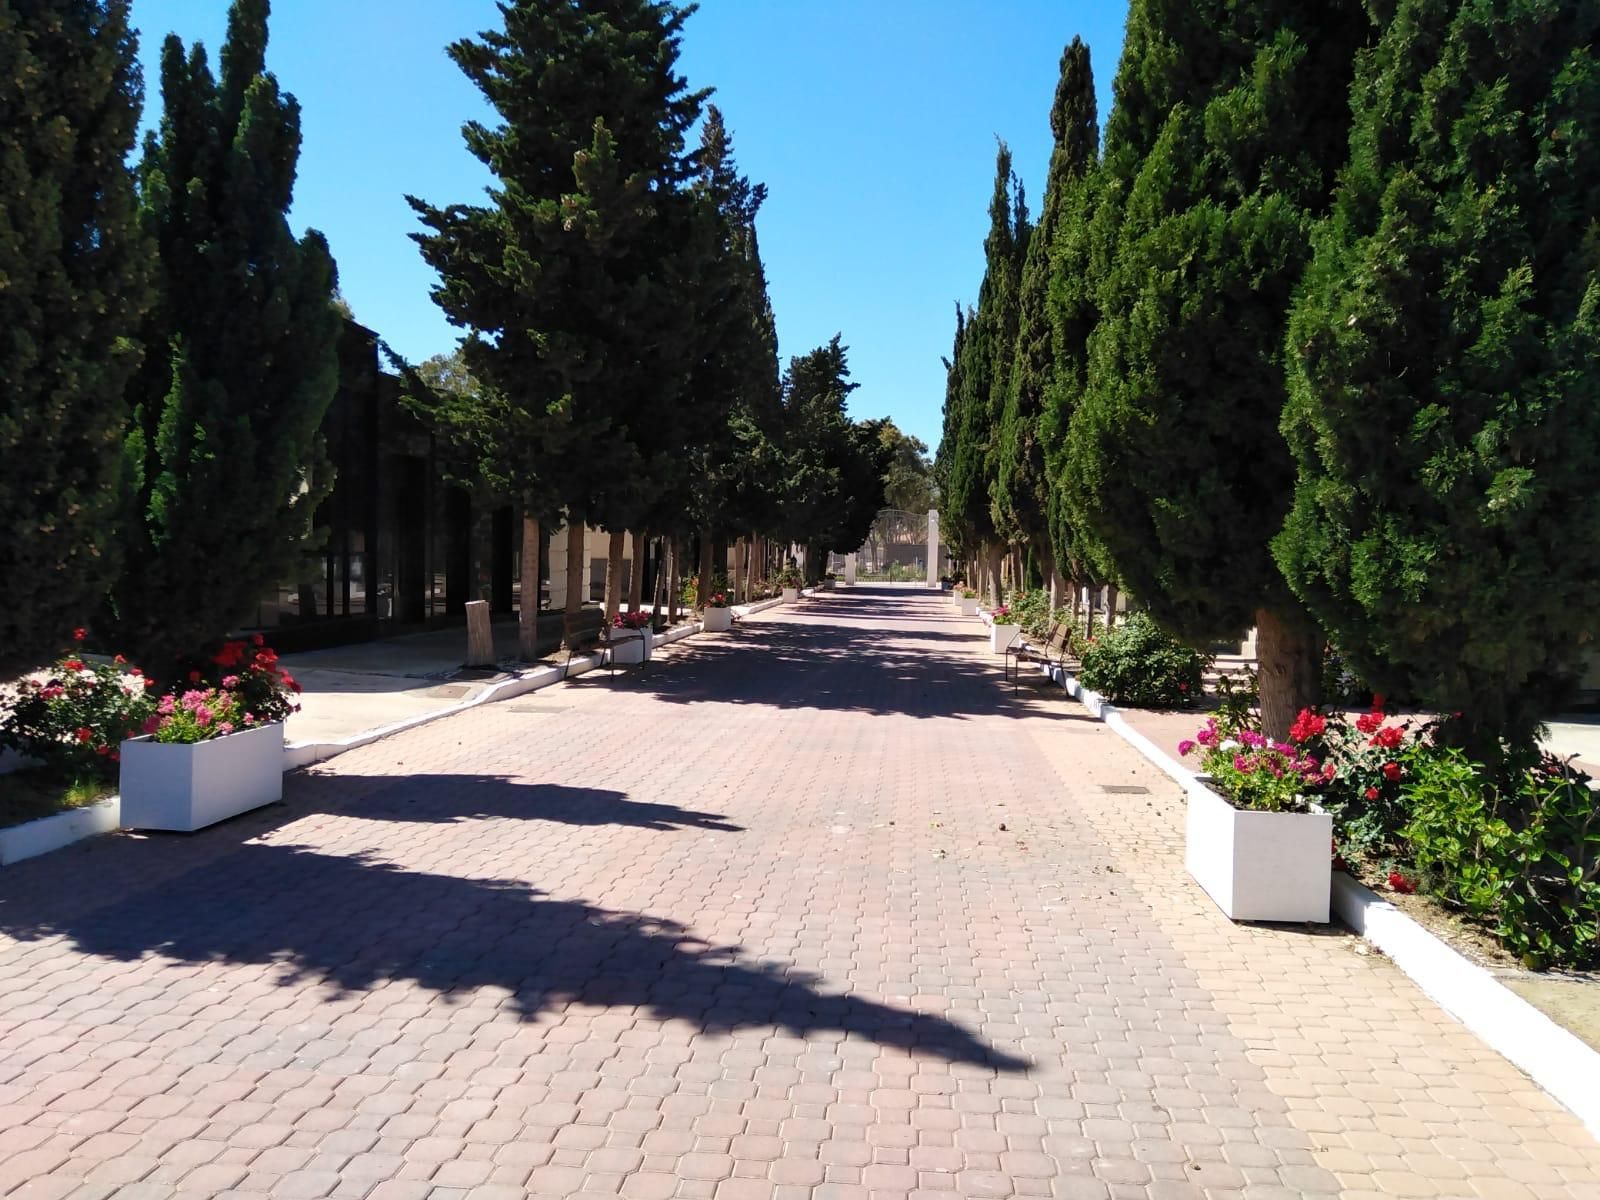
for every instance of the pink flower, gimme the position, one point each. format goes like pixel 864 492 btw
pixel 151 724
pixel 202 716
pixel 230 681
pixel 165 705
pixel 1241 763
pixel 1186 746
pixel 224 727
pixel 1206 737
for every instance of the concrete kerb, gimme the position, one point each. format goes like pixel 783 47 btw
pixel 1556 1060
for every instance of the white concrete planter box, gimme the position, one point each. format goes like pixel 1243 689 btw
pixel 790 595
pixel 33 838
pixel 969 605
pixel 717 620
pixel 1259 866
pixel 187 787
pixel 629 647
pixel 1002 635
pixel 827 585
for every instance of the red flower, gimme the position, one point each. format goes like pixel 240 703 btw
pixel 258 639
pixel 1377 701
pixel 1369 722
pixel 194 676
pixel 290 682
pixel 79 634
pixel 84 733
pixel 135 671
pixel 1391 771
pixel 1307 726
pixel 1401 884
pixel 102 750
pixel 72 664
pixel 120 661
pixel 1372 793
pixel 1183 687
pixel 1388 737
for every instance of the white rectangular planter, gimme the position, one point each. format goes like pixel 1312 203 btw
pixel 1001 636
pixel 629 647
pixel 1259 866
pixel 969 606
pixel 717 620
pixel 790 595
pixel 187 787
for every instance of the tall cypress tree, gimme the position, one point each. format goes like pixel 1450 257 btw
pixel 76 273
pixel 1022 482
pixel 955 526
pixel 1444 404
pixel 572 281
pixel 1178 428
pixel 242 358
pixel 986 345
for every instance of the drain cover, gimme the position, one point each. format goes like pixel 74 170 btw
pixel 1124 789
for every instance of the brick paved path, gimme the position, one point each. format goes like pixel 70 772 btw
pixel 815 909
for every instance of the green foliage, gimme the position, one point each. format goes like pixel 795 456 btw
pixel 1139 663
pixel 1444 409
pixel 577 282
pixel 75 716
pixel 225 448
pixel 1022 483
pixel 1031 610
pixel 1524 858
pixel 75 267
pixel 908 479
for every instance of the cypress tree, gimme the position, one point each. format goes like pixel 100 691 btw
pixel 1022 483
pixel 1444 409
pixel 986 349
pixel 954 526
pixel 572 281
pixel 76 271
pixel 242 359
pixel 1177 431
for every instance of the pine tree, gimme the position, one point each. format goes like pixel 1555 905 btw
pixel 572 282
pixel 242 358
pixel 1444 404
pixel 1177 431
pixel 76 271
pixel 1022 483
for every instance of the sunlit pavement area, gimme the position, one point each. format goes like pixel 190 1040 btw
pixel 818 908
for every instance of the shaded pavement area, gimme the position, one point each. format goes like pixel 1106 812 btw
pixel 818 908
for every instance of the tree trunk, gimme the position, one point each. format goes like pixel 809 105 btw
pixel 614 546
pixel 737 582
pixel 1088 611
pixel 674 586
pixel 703 584
pixel 994 576
pixel 528 611
pixel 659 604
pixel 1289 667
pixel 575 583
pixel 641 542
pixel 1111 606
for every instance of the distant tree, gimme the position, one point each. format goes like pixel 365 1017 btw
pixel 955 524
pixel 225 447
pixel 1022 484
pixel 1444 406
pixel 572 281
pixel 908 480
pixel 1178 427
pixel 74 284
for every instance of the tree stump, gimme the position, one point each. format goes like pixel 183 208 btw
pixel 480 635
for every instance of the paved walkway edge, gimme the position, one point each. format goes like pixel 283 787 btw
pixel 1559 1062
pixel 33 838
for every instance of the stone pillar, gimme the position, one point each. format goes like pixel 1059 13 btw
pixel 850 570
pixel 933 547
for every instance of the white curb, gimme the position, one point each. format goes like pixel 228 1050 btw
pixel 1555 1059
pixel 33 838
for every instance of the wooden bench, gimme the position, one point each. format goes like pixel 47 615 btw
pixel 1050 649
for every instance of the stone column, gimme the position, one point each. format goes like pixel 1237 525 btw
pixel 933 547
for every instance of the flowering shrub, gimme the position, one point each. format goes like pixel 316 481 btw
pixel 1139 663
pixel 1002 615
pixel 968 594
pixel 1031 610
pixel 198 715
pixel 717 600
pixel 1254 772
pixel 73 717
pixel 1366 794
pixel 638 619
pixel 249 670
pixel 789 577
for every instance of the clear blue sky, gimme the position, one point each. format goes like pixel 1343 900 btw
pixel 871 121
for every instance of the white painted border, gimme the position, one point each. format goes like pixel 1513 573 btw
pixel 1554 1058
pixel 33 838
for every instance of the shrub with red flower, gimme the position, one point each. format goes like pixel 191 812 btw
pixel 1401 883
pixel 249 671
pixel 74 717
pixel 639 619
pixel 1252 770
pixel 717 600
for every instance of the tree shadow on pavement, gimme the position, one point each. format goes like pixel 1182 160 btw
pixel 352 921
pixel 444 799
